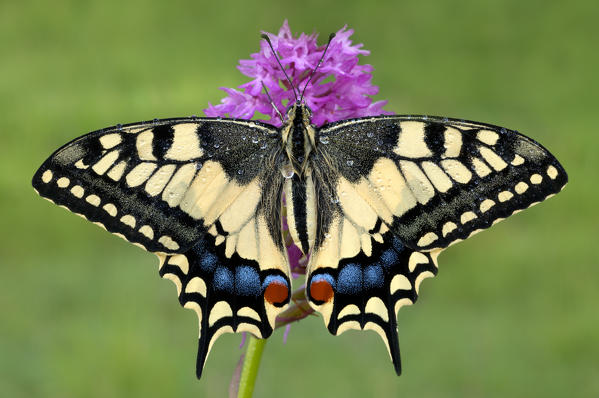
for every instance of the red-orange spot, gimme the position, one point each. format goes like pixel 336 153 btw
pixel 321 290
pixel 276 293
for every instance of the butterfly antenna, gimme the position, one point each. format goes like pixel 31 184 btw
pixel 265 37
pixel 332 35
pixel 271 102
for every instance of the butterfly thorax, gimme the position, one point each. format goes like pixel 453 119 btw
pixel 298 135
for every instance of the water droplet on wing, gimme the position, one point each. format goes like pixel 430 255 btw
pixel 287 171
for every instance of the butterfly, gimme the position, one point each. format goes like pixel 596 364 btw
pixel 373 201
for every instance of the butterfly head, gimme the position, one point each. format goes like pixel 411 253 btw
pixel 298 114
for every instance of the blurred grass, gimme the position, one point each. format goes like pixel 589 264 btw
pixel 513 311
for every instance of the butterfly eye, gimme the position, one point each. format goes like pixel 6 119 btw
pixel 276 290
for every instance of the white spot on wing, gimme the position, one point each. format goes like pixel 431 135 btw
pixel 144 145
pixel 181 262
pixel 77 191
pixel 110 140
pixel 391 186
pixel 552 172
pixel 354 206
pixel 249 312
pixel 147 231
pixel 418 182
pixel 116 172
pixel 518 160
pixel 168 242
pixel 376 306
pixel 448 228
pixel 467 217
pixel 481 169
pixel 410 143
pixel 47 176
pixel 536 178
pixel 427 239
pixel 186 143
pixel 177 186
pixel 521 187
pixel 128 220
pixel 157 182
pixel 486 205
pixel 110 209
pixel 222 309
pixel 504 196
pixel 349 309
pixel 415 259
pixel 488 137
pixel 439 179
pixel 93 200
pixel 105 162
pixel 63 182
pixel 80 165
pixel 140 174
pixel 400 282
pixel 456 170
pixel 492 158
pixel 453 142
pixel 196 285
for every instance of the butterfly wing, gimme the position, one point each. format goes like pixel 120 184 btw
pixel 395 191
pixel 192 191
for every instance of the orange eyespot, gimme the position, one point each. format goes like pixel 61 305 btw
pixel 276 293
pixel 321 290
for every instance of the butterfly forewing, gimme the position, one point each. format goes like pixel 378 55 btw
pixel 434 181
pixel 204 195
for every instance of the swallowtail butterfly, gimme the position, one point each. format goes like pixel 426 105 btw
pixel 373 201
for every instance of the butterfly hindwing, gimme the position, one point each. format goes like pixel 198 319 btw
pixel 194 192
pixel 228 293
pixel 364 292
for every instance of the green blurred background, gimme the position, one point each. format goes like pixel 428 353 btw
pixel 513 312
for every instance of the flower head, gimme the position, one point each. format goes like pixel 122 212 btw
pixel 340 89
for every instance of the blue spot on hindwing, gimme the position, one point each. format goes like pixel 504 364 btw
pixel 349 280
pixel 223 279
pixel 389 258
pixel 373 277
pixel 274 278
pixel 247 281
pixel 208 262
pixel 398 244
pixel 324 277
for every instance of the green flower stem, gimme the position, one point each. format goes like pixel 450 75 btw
pixel 251 363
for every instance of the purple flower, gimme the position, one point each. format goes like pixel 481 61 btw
pixel 340 89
